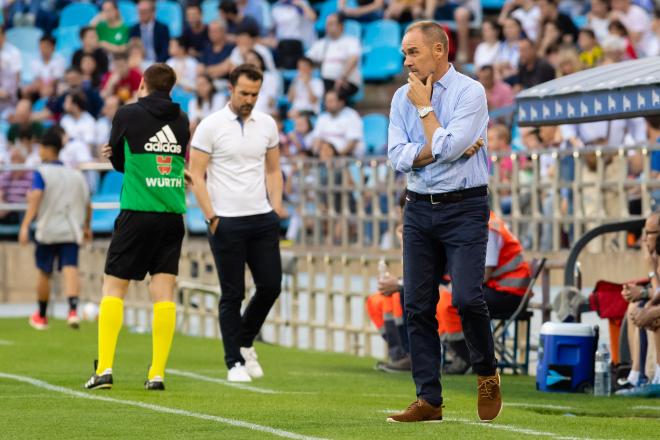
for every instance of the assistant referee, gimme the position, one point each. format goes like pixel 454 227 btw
pixel 238 148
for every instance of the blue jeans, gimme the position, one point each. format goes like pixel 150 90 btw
pixel 437 237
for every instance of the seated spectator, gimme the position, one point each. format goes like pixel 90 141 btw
pixel 215 60
pixel 49 67
pixel 598 18
pixel 531 70
pixel 91 77
pixel 90 46
pixel 293 20
pixel 104 123
pixel 506 63
pixel 499 141
pixel 155 36
pixel 340 127
pixel 460 12
pixel 235 20
pixel 617 29
pixel 614 50
pixel 247 40
pixel 73 81
pixel 10 71
pixel 40 13
pixel 305 91
pixel 271 86
pixel 526 12
pixel 505 282
pixel 637 23
pixel 365 11
pixel 136 56
pixel 21 121
pixel 404 11
pixel 195 35
pixel 122 81
pixel 550 40
pixel 339 57
pixel 590 51
pixel 77 123
pixel 74 153
pixel 498 93
pixel 550 12
pixel 14 186
pixel 184 65
pixel 29 146
pixel 487 51
pixel 207 100
pixel 111 30
pixel 568 61
pixel 301 140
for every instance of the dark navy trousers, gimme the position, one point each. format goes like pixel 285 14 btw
pixel 438 238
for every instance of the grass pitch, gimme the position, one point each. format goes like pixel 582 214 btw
pixel 304 395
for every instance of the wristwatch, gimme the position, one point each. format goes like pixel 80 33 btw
pixel 208 221
pixel 423 111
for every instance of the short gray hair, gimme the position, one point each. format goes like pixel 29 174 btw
pixel 432 31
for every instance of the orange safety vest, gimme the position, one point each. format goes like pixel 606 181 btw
pixel 513 273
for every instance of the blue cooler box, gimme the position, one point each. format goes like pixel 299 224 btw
pixel 566 357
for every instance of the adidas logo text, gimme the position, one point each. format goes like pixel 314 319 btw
pixel 163 142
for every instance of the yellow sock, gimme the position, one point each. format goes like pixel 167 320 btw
pixel 162 333
pixel 111 315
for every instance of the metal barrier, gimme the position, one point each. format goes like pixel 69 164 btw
pixel 552 194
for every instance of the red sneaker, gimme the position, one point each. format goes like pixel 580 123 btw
pixel 73 320
pixel 38 322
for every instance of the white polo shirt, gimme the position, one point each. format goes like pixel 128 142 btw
pixel 236 176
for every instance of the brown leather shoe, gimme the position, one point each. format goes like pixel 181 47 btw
pixel 489 402
pixel 418 411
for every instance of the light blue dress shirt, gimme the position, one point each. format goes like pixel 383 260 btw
pixel 459 103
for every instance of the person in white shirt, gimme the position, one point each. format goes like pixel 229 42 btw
pixel 598 19
pixel 339 126
pixel 339 57
pixel 638 23
pixel 526 12
pixel 293 20
pixel 104 123
pixel 487 51
pixel 237 149
pixel 305 91
pixel 51 66
pixel 207 100
pixel 271 87
pixel 10 70
pixel 183 65
pixel 506 63
pixel 247 41
pixel 77 123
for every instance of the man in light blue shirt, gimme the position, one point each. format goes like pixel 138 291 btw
pixel 434 121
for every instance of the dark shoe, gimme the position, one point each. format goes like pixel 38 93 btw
pixel 156 384
pixel 418 411
pixel 489 401
pixel 96 382
pixel 402 365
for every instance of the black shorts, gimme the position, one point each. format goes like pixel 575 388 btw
pixel 145 242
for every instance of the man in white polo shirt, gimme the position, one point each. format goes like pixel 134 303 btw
pixel 238 149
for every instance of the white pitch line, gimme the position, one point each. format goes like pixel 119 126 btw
pixel 6 342
pixel 511 428
pixel 158 408
pixel 240 386
pixel 653 408
pixel 538 405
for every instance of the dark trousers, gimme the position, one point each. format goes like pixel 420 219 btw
pixel 436 237
pixel 501 305
pixel 253 240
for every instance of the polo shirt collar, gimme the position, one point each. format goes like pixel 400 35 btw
pixel 233 116
pixel 447 78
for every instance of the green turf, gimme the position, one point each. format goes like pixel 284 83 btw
pixel 319 394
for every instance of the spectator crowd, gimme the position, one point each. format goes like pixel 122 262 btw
pixel 312 58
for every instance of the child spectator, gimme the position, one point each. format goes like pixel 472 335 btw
pixel 590 51
pixel 305 91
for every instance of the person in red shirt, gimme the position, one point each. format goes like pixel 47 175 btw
pixel 122 81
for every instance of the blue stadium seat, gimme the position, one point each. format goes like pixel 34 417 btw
pixel 210 10
pixel 353 28
pixel 128 12
pixel 103 220
pixel 381 33
pixel 78 14
pixel 111 183
pixel 492 4
pixel 195 220
pixel 288 125
pixel 375 133
pixel 580 21
pixel 26 39
pixel 170 13
pixel 382 63
pixel 326 8
pixel 182 97
pixel 68 40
